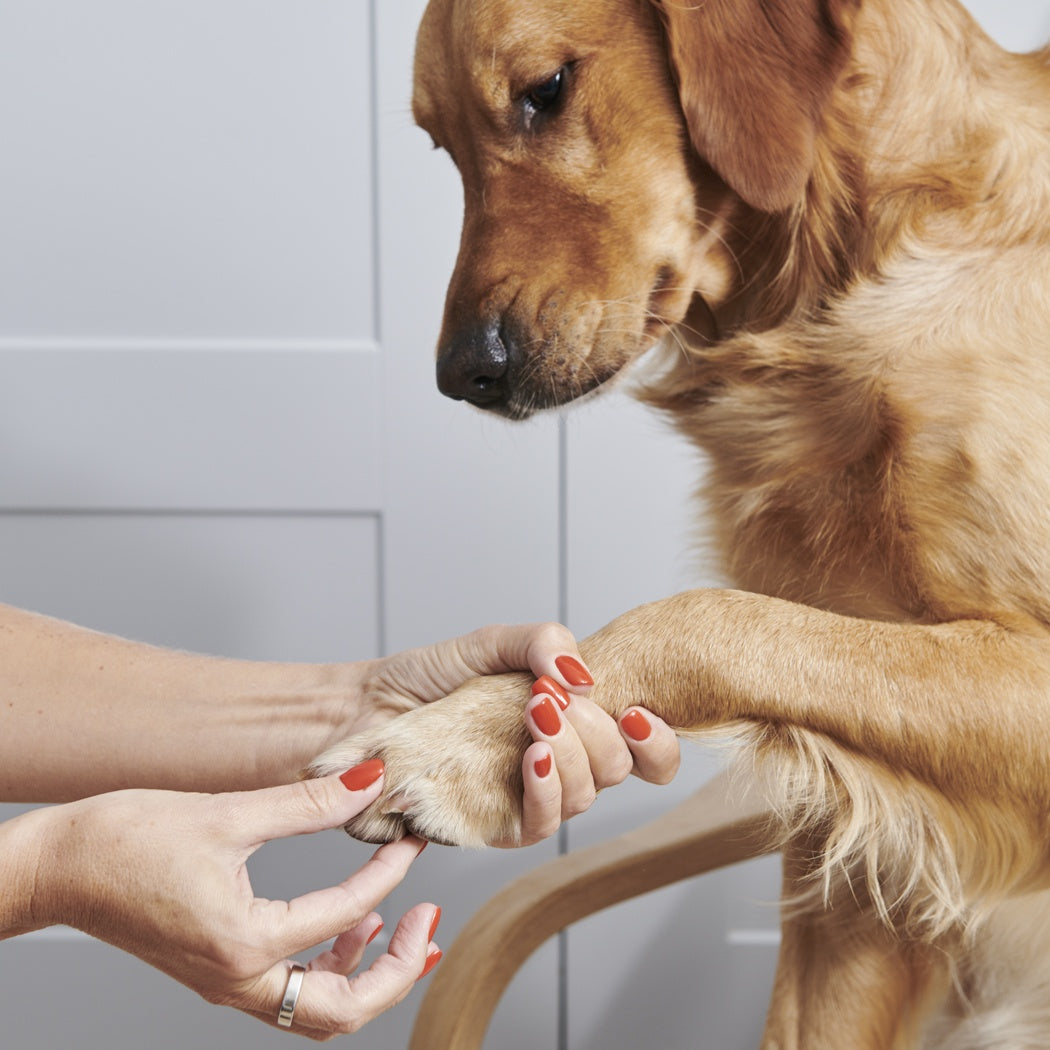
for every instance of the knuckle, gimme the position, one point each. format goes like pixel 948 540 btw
pixel 667 772
pixel 487 636
pixel 353 904
pixel 233 988
pixel 239 963
pixel 539 829
pixel 216 996
pixel 319 1031
pixel 349 1023
pixel 325 1021
pixel 241 951
pixel 547 829
pixel 579 803
pixel 616 771
pixel 554 635
pixel 661 772
pixel 480 642
pixel 314 800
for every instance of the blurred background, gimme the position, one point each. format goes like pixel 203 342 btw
pixel 223 255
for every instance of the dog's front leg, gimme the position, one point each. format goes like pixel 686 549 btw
pixel 909 746
pixel 961 710
pixel 843 978
pixel 962 706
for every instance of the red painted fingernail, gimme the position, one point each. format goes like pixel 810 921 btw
pixel 546 717
pixel 434 924
pixel 546 684
pixel 360 777
pixel 575 673
pixel 374 934
pixel 636 725
pixel 432 960
pixel 543 767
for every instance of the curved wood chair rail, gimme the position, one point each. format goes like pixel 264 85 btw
pixel 718 826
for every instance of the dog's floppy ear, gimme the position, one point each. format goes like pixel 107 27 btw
pixel 754 77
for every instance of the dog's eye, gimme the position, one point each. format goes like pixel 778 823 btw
pixel 544 96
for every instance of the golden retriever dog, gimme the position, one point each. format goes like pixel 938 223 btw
pixel 834 216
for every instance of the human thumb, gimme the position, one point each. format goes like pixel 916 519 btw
pixel 308 806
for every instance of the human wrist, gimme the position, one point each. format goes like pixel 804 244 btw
pixel 25 868
pixel 301 711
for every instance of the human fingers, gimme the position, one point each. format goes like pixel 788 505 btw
pixel 432 672
pixel 653 743
pixel 411 954
pixel 304 807
pixel 543 648
pixel 348 948
pixel 289 927
pixel 609 759
pixel 548 716
pixel 640 743
pixel 328 1004
pixel 312 805
pixel 541 806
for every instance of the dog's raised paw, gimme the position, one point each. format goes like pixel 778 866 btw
pixel 452 768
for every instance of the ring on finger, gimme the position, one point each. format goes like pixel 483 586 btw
pixel 291 995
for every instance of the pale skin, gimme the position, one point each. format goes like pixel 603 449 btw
pixel 173 768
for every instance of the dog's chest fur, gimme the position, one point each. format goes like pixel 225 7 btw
pixel 862 473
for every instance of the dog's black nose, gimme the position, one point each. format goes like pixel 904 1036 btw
pixel 473 366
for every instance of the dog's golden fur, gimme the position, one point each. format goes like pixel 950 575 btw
pixel 837 213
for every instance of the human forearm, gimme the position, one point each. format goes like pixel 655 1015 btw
pixel 83 712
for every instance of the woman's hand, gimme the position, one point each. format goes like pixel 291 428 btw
pixel 578 749
pixel 163 875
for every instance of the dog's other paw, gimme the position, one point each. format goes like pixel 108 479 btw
pixel 453 767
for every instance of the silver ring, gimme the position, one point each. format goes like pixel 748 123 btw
pixel 291 995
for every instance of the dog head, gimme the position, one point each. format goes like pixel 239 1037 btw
pixel 610 152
